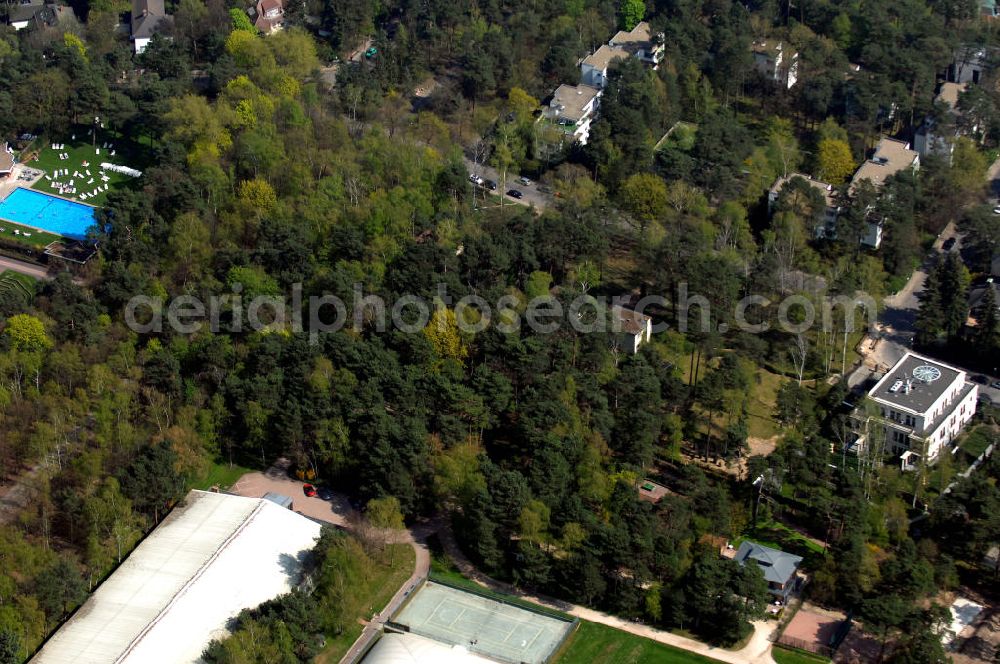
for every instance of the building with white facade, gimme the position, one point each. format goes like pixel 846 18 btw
pixel 771 60
pixel 594 67
pixel 573 108
pixel 917 408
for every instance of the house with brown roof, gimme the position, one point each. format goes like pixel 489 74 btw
pixel 633 328
pixel 149 17
pixel 6 161
pixel 594 67
pixel 933 137
pixel 270 16
pixel 573 108
pixel 641 42
pixel 891 156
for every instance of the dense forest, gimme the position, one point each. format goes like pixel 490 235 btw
pixel 259 176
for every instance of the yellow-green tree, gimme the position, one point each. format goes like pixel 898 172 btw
pixel 27 333
pixel 443 333
pixel 834 160
pixel 644 195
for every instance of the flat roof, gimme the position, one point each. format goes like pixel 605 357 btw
pixel 185 581
pixel 891 156
pixel 604 56
pixel 570 100
pixel 394 648
pixel 923 393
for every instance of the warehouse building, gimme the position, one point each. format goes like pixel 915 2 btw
pixel 212 557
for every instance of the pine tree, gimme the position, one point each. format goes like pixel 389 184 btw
pixel 930 317
pixel 988 320
pixel 954 294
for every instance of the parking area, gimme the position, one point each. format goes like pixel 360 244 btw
pixel 326 506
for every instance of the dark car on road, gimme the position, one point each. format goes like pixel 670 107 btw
pixel 514 193
pixel 981 379
pixel 948 244
pixel 491 185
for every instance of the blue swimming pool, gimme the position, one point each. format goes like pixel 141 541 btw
pixel 48 213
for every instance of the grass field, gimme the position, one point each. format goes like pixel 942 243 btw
pixel 779 536
pixel 380 588
pixel 789 656
pixel 760 408
pixel 222 475
pixel 80 151
pixel 37 238
pixel 598 644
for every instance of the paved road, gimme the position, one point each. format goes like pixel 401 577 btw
pixel 531 194
pixel 29 269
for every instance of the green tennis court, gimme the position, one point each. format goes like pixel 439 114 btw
pixel 482 625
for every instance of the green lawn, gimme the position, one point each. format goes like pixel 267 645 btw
pixel 380 588
pixel 223 475
pixel 789 656
pixel 760 408
pixel 36 238
pixel 79 152
pixel 598 644
pixel 779 536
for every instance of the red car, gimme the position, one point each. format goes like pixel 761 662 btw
pixel 309 490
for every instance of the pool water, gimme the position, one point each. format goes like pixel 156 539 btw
pixel 48 213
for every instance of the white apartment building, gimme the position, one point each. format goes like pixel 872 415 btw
pixel 922 405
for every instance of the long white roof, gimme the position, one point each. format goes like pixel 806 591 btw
pixel 212 557
pixel 414 649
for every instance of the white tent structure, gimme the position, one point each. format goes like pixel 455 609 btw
pixel 212 557
pixel 413 649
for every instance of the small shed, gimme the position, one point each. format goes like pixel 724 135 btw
pixel 280 499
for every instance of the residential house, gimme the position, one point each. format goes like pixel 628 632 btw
pixel 149 17
pixel 270 16
pixel 977 295
pixel 931 138
pixel 19 15
pixel 6 161
pixel 779 568
pixel 771 60
pixel 891 156
pixel 827 227
pixel 918 407
pixel 989 8
pixel 968 66
pixel 633 328
pixel 573 108
pixel 642 43
pixel 52 17
pixel 594 67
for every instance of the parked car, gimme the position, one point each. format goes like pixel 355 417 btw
pixel 525 181
pixel 309 490
pixel 981 379
pixel 491 185
pixel 476 179
pixel 948 244
pixel 996 210
pixel 995 385
pixel 514 193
